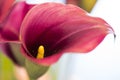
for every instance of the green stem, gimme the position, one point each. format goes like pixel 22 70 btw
pixel 35 70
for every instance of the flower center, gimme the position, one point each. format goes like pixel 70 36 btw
pixel 40 54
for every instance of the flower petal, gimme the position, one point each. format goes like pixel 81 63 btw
pixel 9 29
pixel 60 28
pixel 75 2
pixel 4 8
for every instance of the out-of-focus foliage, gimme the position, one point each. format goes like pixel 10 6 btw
pixel 87 4
pixel 6 68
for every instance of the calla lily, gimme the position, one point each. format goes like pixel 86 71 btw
pixel 51 29
pixel 4 8
pixel 9 30
pixel 75 2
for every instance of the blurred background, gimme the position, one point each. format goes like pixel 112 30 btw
pixel 103 63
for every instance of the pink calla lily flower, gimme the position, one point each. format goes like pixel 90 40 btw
pixel 60 28
pixel 75 2
pixel 5 5
pixel 10 27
